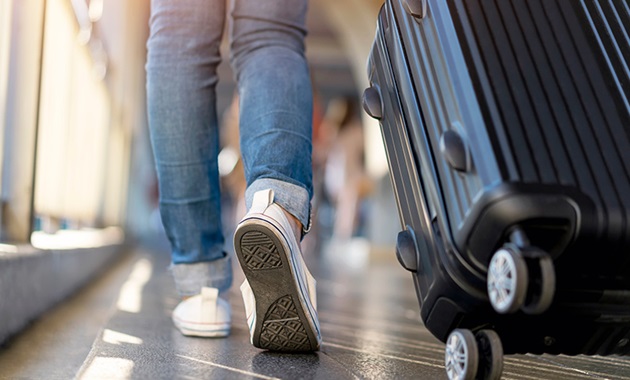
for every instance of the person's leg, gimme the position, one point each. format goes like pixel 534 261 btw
pixel 183 55
pixel 275 101
pixel 276 128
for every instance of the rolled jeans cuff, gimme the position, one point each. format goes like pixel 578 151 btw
pixel 293 198
pixel 190 278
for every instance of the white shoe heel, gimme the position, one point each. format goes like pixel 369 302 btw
pixel 204 315
pixel 279 292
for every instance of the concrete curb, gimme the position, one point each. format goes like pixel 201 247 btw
pixel 33 280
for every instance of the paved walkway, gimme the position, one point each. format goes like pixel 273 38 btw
pixel 368 313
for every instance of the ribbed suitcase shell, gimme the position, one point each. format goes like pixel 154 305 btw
pixel 538 90
pixel 553 80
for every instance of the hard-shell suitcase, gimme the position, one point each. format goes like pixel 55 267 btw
pixel 507 129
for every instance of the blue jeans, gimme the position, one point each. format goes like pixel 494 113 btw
pixel 267 55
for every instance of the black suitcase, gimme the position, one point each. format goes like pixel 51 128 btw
pixel 507 129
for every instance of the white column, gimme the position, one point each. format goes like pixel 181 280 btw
pixel 21 117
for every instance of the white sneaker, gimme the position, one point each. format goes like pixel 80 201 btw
pixel 279 292
pixel 205 314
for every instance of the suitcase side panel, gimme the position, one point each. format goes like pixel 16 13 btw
pixel 440 277
pixel 412 176
pixel 443 91
pixel 442 98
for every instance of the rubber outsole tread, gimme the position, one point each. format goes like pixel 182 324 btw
pixel 282 328
pixel 259 251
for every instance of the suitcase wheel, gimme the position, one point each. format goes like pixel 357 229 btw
pixel 507 281
pixel 461 356
pixel 521 278
pixel 542 286
pixel 468 356
pixel 490 355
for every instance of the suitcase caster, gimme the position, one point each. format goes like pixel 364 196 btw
pixel 469 356
pixel 521 279
pixel 461 357
pixel 490 355
pixel 542 284
pixel 507 281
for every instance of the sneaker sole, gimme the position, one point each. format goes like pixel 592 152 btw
pixel 193 330
pixel 286 324
pixel 204 334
